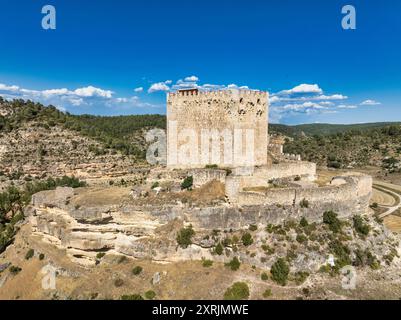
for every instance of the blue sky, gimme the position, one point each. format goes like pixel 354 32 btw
pixel 103 52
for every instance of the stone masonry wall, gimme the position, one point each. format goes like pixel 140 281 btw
pixel 212 113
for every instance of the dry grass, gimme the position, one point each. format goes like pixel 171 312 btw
pixel 101 196
pixel 393 222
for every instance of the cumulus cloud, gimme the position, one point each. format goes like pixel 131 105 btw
pixel 92 91
pixel 65 99
pixel 306 99
pixel 370 102
pixel 159 86
pixel 192 79
pixel 4 87
pixel 140 89
pixel 303 88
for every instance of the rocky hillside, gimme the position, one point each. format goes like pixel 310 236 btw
pixel 37 142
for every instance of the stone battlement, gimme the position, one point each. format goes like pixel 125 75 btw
pixel 217 93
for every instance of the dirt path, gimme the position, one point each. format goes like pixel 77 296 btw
pixel 393 191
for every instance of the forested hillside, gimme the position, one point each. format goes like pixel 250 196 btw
pixel 337 146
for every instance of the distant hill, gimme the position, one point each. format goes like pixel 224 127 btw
pixel 326 128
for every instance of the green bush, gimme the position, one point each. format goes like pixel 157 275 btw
pixel 264 276
pixel 341 252
pixel 29 254
pixel 219 249
pixel 330 218
pixel 360 227
pixel 238 291
pixel 14 270
pixel 150 295
pixel 267 293
pixel 100 255
pixel 155 185
pixel 137 270
pixel 234 264
pixel 301 238
pixel 300 277
pixel 280 271
pixel 247 239
pixel 303 223
pixel 187 183
pixel 207 263
pixel 184 237
pixel 41 256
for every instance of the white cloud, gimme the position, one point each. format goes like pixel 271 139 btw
pixel 140 89
pixel 160 86
pixel 65 99
pixel 346 106
pixel 370 102
pixel 303 88
pixel 4 87
pixel 91 91
pixel 192 79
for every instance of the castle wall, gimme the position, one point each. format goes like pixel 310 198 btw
pixel 261 176
pixel 212 116
pixel 203 176
pixel 349 198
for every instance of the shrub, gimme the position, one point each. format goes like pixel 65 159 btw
pixel 360 227
pixel 100 255
pixel 150 295
pixel 341 252
pixel 303 223
pixel 29 254
pixel 238 291
pixel 247 239
pixel 41 256
pixel 330 218
pixel 280 271
pixel 211 166
pixel 155 185
pixel 15 270
pixel 207 263
pixel 304 203
pixel 219 249
pixel 234 264
pixel 118 282
pixel 253 227
pixel 297 178
pixel 137 270
pixel 374 205
pixel 267 293
pixel 187 183
pixel 132 297
pixel 301 238
pixel 300 277
pixel 264 276
pixel 184 237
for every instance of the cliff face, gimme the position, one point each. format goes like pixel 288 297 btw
pixel 84 227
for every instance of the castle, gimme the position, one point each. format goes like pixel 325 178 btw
pixel 202 126
pixel 225 128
